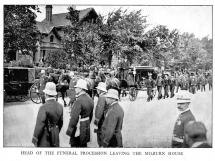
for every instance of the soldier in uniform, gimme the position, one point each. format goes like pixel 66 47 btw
pixel 203 83
pixel 159 84
pixel 172 84
pixel 111 135
pixel 42 83
pixel 192 83
pixel 80 116
pixel 49 120
pixel 195 135
pixel 166 82
pixel 101 109
pixel 210 81
pixel 150 84
pixel 183 101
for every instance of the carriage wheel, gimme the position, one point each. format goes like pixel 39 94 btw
pixel 132 93
pixel 23 98
pixel 34 93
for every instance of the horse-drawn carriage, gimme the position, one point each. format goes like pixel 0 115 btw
pixel 17 81
pixel 61 87
pixel 133 80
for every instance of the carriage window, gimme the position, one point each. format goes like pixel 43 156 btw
pixel 51 38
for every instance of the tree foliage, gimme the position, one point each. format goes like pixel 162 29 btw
pixel 57 59
pixel 123 34
pixel 20 32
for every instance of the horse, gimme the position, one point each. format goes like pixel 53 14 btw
pixel 62 84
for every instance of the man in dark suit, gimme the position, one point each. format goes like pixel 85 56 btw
pixel 81 116
pixel 195 135
pixel 150 84
pixel 49 120
pixel 111 135
pixel 101 109
pixel 183 101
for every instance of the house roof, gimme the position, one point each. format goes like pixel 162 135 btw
pixel 60 20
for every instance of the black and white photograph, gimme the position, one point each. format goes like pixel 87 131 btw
pixel 107 76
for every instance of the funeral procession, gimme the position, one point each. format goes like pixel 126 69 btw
pixel 107 76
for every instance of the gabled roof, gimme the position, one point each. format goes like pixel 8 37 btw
pixel 60 20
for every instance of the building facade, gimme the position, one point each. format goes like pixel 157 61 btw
pixel 51 30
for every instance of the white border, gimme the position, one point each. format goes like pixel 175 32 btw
pixel 12 154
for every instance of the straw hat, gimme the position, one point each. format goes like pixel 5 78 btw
pixel 50 89
pixel 81 83
pixel 112 93
pixel 102 86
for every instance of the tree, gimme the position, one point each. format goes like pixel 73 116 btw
pixel 121 32
pixel 160 45
pixel 57 59
pixel 20 32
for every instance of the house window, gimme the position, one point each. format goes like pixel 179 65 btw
pixel 51 38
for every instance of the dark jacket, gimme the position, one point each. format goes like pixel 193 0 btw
pixel 178 132
pixel 166 82
pixel 50 115
pixel 172 82
pixel 150 83
pixel 82 107
pixel 112 126
pixel 101 109
pixel 159 82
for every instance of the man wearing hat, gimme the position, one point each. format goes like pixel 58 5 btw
pixel 80 116
pixel 49 120
pixel 183 102
pixel 195 135
pixel 111 135
pixel 149 85
pixel 43 80
pixel 166 83
pixel 192 83
pixel 159 84
pixel 101 109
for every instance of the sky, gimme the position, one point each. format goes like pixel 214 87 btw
pixel 192 19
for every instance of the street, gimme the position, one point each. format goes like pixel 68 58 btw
pixel 146 124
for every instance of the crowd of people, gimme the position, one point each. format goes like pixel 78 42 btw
pixel 168 84
pixel 81 89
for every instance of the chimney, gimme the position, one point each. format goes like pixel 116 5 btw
pixel 49 13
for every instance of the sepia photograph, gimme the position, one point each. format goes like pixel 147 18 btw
pixel 107 76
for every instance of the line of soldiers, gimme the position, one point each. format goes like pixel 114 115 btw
pixel 171 83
